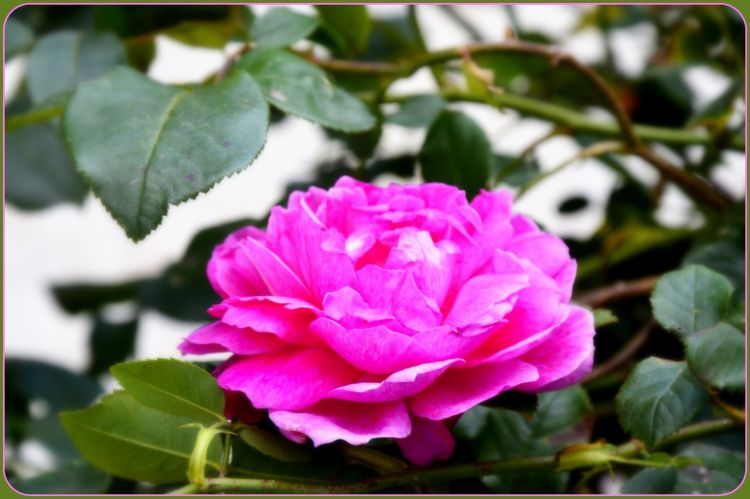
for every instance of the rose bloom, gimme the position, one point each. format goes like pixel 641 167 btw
pixel 365 312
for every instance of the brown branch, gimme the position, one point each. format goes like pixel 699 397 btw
pixel 622 356
pixel 620 290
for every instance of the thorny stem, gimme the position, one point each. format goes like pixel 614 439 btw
pixel 450 472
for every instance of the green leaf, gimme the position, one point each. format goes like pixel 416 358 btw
pixel 58 387
pixel 110 342
pixel 76 477
pixel 275 446
pixel 39 171
pixel 559 410
pixel 456 152
pixel 717 356
pixel 173 386
pixel 723 257
pixel 297 87
pixel 419 111
pixel 281 27
pixel 603 317
pixel 60 61
pixel 651 481
pixel 144 146
pixel 691 299
pixel 513 171
pixel 658 398
pixel 347 25
pixel 18 38
pixel 76 298
pixel 127 439
pixel 721 470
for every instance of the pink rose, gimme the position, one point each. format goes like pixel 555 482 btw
pixel 366 312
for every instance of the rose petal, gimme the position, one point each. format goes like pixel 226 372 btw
pixel 485 300
pixel 287 318
pixel 546 251
pixel 288 379
pixel 429 441
pixel 220 337
pixel 279 278
pixel 230 272
pixel 376 350
pixel 332 420
pixel 398 385
pixel 461 389
pixel 565 356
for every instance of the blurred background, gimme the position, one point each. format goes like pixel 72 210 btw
pixel 74 283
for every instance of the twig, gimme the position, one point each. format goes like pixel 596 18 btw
pixel 589 152
pixel 623 355
pixel 620 290
pixel 450 472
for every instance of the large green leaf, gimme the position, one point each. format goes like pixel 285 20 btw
pixel 125 438
pixel 348 26
pixel 143 145
pixel 39 171
pixel 457 152
pixel 280 27
pixel 18 38
pixel 658 398
pixel 59 61
pixel 559 410
pixel 717 356
pixel 691 299
pixel 173 386
pixel 76 477
pixel 723 257
pixel 297 87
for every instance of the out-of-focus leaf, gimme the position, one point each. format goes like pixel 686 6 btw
pixel 18 38
pixel 721 471
pixel 348 26
pixel 60 61
pixel 281 27
pixel 39 171
pixel 297 87
pixel 140 53
pixel 419 111
pixel 457 152
pixel 651 481
pixel 658 398
pixel 723 257
pixel 390 39
pixel 663 98
pixel 717 356
pixel 603 317
pixel 110 342
pixel 559 410
pixel 174 387
pixel 133 20
pixel 502 434
pixel 44 19
pixel 76 298
pixel 125 438
pixel 213 33
pixel 76 477
pixel 275 446
pixel 510 170
pixel 143 146
pixel 691 299
pixel 59 388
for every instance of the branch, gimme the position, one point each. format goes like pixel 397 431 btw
pixel 445 473
pixel 620 290
pixel 622 356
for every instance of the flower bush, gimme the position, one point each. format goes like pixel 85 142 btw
pixel 366 312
